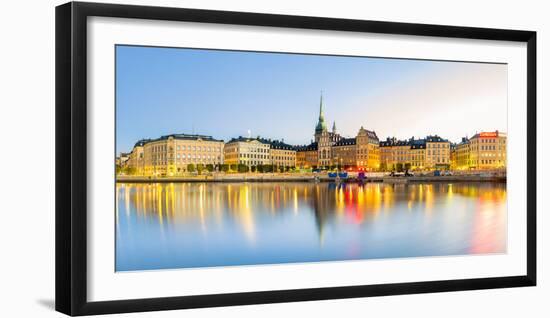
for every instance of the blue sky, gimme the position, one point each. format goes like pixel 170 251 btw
pixel 227 93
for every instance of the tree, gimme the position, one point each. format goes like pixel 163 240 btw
pixel 210 167
pixel 191 167
pixel 224 167
pixel 399 167
pixel 233 167
pixel 383 166
pixel 128 170
pixel 200 168
pixel 408 166
pixel 242 168
pixel 260 168
pixel 253 168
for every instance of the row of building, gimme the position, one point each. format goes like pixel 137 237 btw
pixel 173 154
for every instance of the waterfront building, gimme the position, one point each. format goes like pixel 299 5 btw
pixel 122 159
pixel 487 150
pixel 325 139
pixel 453 156
pixel 462 155
pixel 438 153
pixel 368 150
pixel 282 155
pixel 136 161
pixel 361 152
pixel 247 151
pixel 307 156
pixel 432 152
pixel 395 154
pixel 344 153
pixel 177 153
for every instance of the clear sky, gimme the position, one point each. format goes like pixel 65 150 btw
pixel 226 94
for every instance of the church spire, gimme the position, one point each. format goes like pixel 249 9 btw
pixel 321 115
pixel 334 126
pixel 321 125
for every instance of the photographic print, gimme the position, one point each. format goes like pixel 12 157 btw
pixel 233 158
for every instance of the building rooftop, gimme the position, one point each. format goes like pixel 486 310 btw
pixel 188 137
pixel 277 144
pixel 411 142
pixel 311 147
pixel 345 142
pixel 248 139
pixel 489 134
pixel 142 142
pixel 435 138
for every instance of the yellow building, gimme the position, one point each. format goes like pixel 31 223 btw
pixel 438 153
pixel 487 150
pixel 307 156
pixel 361 152
pixel 175 154
pixel 432 152
pixel 136 161
pixel 282 155
pixel 368 150
pixel 461 158
pixel 335 150
pixel 344 153
pixel 396 154
pixel 247 151
pixel 122 160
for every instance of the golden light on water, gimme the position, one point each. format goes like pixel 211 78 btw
pixel 205 203
pixel 229 217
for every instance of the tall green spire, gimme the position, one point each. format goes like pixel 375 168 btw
pixel 321 125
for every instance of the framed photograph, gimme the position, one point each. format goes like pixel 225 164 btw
pixel 210 158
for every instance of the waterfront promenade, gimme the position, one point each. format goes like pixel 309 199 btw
pixel 313 177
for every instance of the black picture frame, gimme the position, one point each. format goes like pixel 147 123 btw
pixel 71 157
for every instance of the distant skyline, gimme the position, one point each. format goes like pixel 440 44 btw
pixel 225 94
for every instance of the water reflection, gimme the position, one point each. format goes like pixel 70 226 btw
pixel 177 225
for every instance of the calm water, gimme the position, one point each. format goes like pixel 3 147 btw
pixel 178 225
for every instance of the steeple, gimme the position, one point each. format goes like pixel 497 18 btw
pixel 334 127
pixel 321 125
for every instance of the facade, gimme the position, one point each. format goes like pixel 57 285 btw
pixel 485 150
pixel 325 139
pixel 136 160
pixel 179 153
pixel 173 154
pixel 247 151
pixel 361 152
pixel 453 156
pixel 368 150
pixel 438 153
pixel 488 150
pixel 397 154
pixel 282 155
pixel 307 156
pixel 344 153
pixel 432 152
pixel 122 159
pixel 462 155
